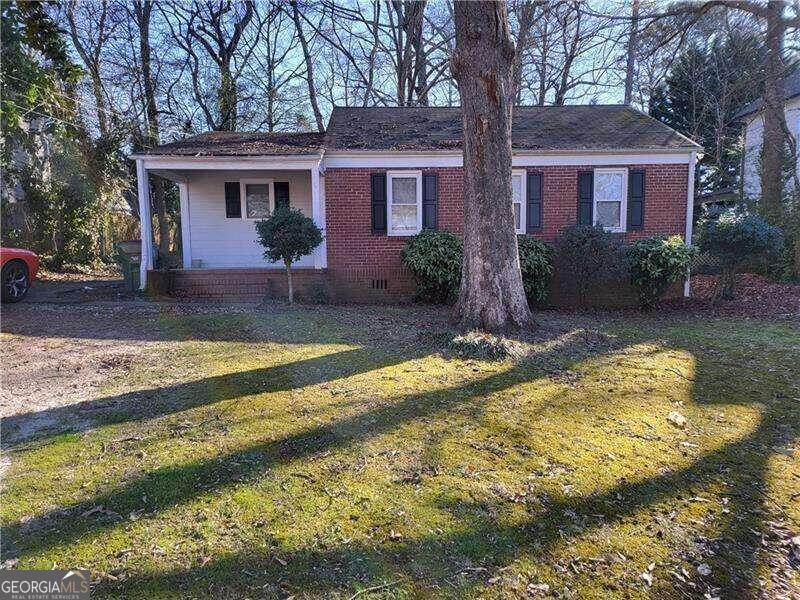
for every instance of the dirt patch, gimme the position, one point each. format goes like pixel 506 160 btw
pixel 59 356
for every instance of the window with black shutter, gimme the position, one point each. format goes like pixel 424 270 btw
pixel 534 208
pixel 636 200
pixel 585 198
pixel 233 200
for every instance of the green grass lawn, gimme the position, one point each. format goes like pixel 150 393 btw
pixel 318 452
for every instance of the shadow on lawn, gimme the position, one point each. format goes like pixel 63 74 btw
pixel 492 544
pixel 154 402
pixel 741 465
pixel 167 486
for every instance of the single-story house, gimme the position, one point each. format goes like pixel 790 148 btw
pixel 380 175
pixel 752 117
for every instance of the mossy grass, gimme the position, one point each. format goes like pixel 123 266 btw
pixel 319 452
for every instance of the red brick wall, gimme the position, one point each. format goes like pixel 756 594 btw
pixel 352 245
pixel 310 285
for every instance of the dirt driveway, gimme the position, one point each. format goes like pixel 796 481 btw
pixel 67 340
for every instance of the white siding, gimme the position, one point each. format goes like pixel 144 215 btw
pixel 221 242
pixel 753 139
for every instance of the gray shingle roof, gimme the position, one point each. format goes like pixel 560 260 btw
pixel 235 143
pixel 536 128
pixel 544 128
pixel 791 88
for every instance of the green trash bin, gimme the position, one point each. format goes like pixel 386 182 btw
pixel 129 258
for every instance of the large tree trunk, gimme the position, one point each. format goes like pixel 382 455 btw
pixel 227 99
pixel 143 12
pixel 491 296
pixel 773 152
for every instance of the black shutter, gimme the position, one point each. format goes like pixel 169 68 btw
pixel 533 212
pixel 636 200
pixel 379 203
pixel 430 194
pixel 233 200
pixel 281 194
pixel 585 198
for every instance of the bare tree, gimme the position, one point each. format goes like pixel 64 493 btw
pixel 491 295
pixel 309 63
pixel 566 54
pixel 91 26
pixel 271 69
pixel 630 64
pixel 216 26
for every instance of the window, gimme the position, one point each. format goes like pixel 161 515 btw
pixel 404 202
pixel 610 193
pixel 518 200
pixel 258 198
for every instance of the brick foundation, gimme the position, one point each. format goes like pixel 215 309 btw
pixel 350 286
pixel 309 284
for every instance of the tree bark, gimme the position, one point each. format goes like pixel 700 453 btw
pixel 773 151
pixel 491 295
pixel 631 60
pixel 289 281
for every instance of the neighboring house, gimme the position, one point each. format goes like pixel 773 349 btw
pixel 753 117
pixel 379 175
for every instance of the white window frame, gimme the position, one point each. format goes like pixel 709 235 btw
pixel 243 183
pixel 523 211
pixel 403 175
pixel 623 214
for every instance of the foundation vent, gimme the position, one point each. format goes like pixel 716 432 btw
pixel 380 284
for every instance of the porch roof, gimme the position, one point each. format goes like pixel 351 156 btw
pixel 237 143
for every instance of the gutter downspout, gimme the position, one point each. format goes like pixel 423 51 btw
pixel 689 215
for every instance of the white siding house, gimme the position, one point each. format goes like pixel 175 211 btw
pixel 218 241
pixel 753 118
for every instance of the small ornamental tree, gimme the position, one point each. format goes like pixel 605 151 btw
pixel 288 235
pixel 655 263
pixel 735 237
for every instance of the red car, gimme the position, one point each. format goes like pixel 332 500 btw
pixel 19 270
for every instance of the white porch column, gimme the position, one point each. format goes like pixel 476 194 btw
pixel 145 223
pixel 186 242
pixel 689 216
pixel 318 214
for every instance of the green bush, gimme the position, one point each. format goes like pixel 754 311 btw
pixel 589 255
pixel 536 264
pixel 736 237
pixel 287 235
pixel 434 257
pixel 655 263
